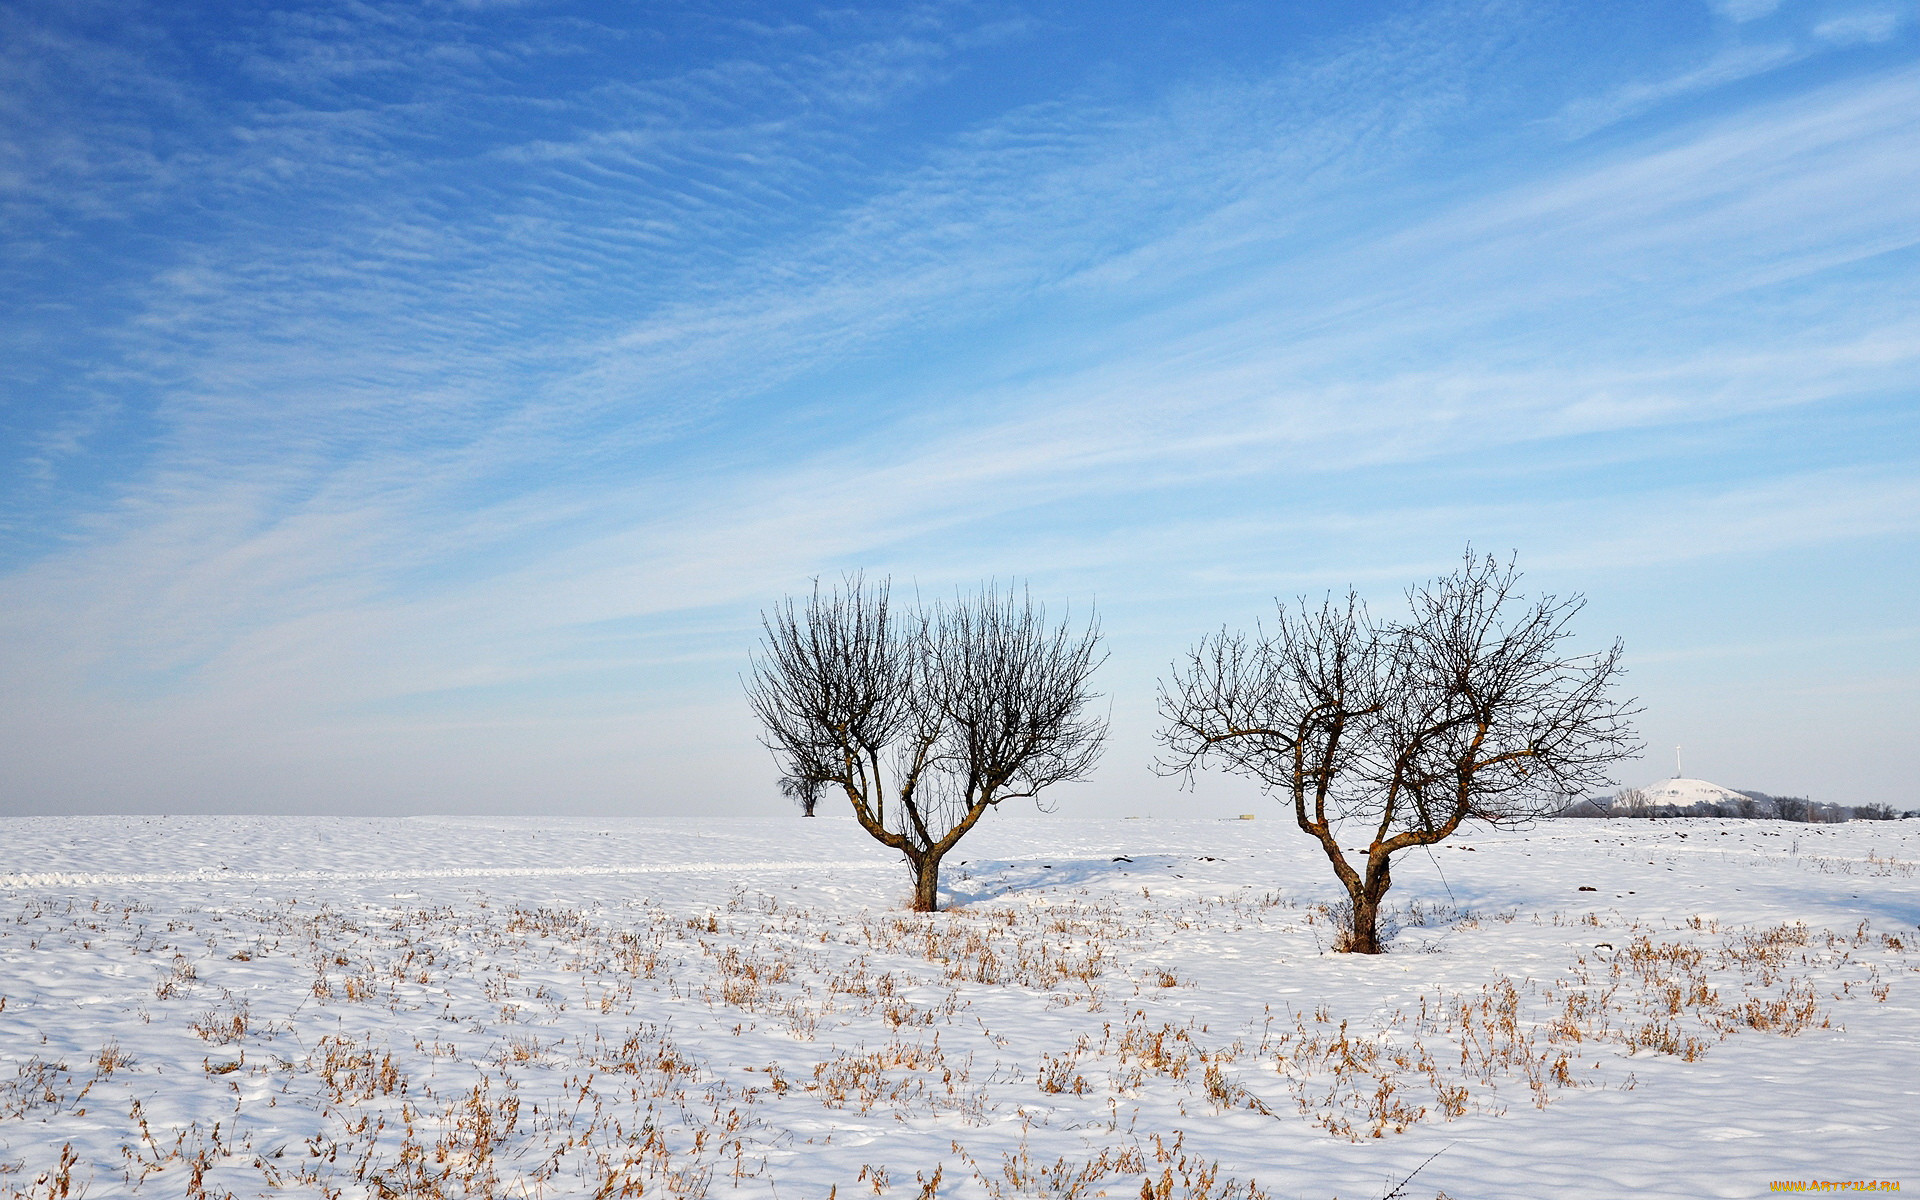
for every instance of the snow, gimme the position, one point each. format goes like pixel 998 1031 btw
pixel 531 1007
pixel 1682 792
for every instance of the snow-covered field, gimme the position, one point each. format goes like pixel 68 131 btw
pixel 218 1005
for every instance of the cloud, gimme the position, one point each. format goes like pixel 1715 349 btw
pixel 1859 27
pixel 1644 212
pixel 1730 65
pixel 1733 61
pixel 495 443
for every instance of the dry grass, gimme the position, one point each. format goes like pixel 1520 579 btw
pixel 1164 1170
pixel 499 1087
pixel 1873 866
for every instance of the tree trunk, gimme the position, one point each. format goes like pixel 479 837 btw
pixel 1365 937
pixel 926 883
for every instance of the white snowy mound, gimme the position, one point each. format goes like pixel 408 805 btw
pixel 1682 792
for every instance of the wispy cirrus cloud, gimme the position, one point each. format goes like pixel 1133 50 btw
pixel 1744 53
pixel 491 399
pixel 1201 395
pixel 1728 65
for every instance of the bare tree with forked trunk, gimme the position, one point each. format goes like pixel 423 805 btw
pixel 1471 707
pixel 926 719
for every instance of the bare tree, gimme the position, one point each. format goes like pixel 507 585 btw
pixel 804 792
pixel 929 719
pixel 1631 802
pixel 1471 707
pixel 1793 808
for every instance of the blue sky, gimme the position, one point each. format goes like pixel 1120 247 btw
pixel 409 407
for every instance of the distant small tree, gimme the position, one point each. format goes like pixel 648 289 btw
pixel 1631 802
pixel 1471 707
pixel 1874 812
pixel 925 720
pixel 804 792
pixel 1590 808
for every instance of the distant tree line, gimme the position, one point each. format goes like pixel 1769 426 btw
pixel 1751 806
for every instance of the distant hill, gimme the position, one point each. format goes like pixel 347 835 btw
pixel 1681 797
pixel 1682 792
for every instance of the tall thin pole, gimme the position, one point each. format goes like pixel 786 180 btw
pixel 1676 762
